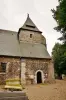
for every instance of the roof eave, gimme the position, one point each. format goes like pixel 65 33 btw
pixel 24 57
pixel 30 30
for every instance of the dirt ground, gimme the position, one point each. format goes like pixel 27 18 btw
pixel 56 91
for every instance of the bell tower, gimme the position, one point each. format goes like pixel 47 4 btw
pixel 30 33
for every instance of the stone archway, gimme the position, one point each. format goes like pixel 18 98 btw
pixel 39 77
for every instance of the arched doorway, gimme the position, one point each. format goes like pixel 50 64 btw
pixel 39 77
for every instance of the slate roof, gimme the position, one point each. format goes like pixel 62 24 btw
pixel 10 46
pixel 35 50
pixel 29 25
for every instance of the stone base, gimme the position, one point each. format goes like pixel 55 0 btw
pixel 13 96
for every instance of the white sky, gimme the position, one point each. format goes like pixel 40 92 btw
pixel 13 14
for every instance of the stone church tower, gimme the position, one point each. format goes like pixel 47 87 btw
pixel 24 58
pixel 36 63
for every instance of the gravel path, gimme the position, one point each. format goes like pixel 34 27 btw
pixel 55 91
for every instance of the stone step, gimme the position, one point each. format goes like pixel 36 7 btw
pixel 13 96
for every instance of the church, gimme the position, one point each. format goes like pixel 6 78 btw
pixel 24 58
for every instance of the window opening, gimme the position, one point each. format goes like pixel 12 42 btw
pixel 30 35
pixel 3 67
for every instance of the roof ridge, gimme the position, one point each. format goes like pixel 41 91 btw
pixel 7 30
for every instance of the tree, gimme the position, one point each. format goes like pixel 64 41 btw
pixel 59 50
pixel 59 57
pixel 60 16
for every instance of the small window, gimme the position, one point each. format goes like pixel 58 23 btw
pixel 30 35
pixel 3 67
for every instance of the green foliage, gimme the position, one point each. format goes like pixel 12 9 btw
pixel 59 57
pixel 60 16
pixel 59 51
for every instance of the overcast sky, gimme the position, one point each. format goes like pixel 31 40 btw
pixel 13 14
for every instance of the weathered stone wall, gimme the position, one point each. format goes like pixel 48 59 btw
pixel 33 65
pixel 26 69
pixel 24 36
pixel 12 68
pixel 51 78
pixel 2 78
pixel 9 59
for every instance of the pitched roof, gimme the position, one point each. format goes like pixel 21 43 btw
pixel 35 50
pixel 10 46
pixel 29 25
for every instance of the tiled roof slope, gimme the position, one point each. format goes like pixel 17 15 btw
pixel 10 46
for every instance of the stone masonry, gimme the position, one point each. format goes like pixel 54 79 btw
pixel 12 68
pixel 34 65
pixel 24 36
